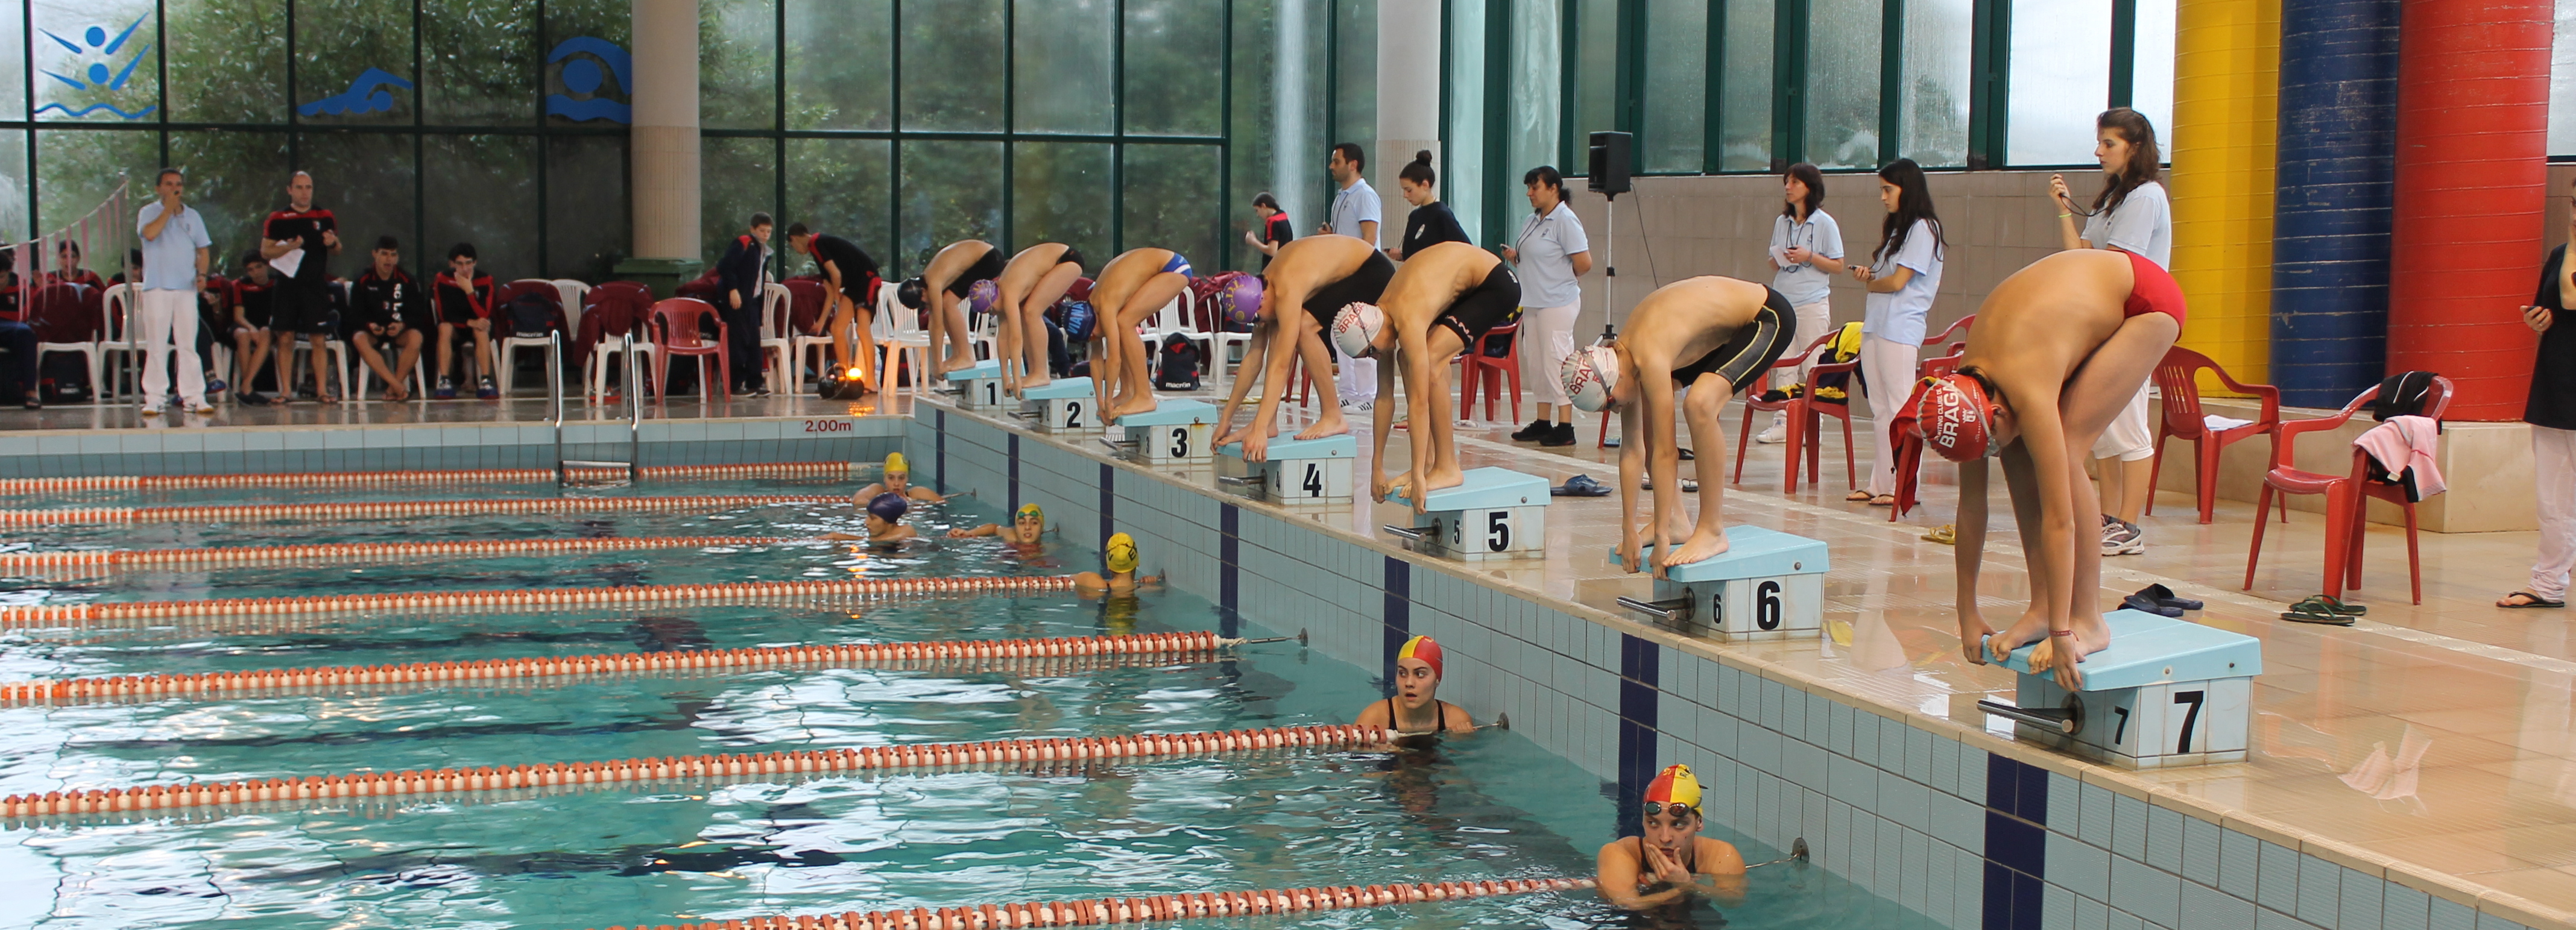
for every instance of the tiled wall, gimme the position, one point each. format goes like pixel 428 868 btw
pixel 1957 825
pixel 59 453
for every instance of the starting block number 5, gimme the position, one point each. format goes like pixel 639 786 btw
pixel 1493 531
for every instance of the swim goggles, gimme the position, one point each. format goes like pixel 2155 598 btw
pixel 1678 809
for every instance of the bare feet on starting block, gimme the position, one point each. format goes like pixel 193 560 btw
pixel 1143 401
pixel 1398 486
pixel 1256 442
pixel 1704 544
pixel 1441 475
pixel 1034 380
pixel 954 362
pixel 1332 423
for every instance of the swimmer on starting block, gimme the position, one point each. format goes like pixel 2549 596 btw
pixel 1444 298
pixel 945 283
pixel 1310 280
pixel 1033 281
pixel 1671 863
pixel 1026 528
pixel 1130 288
pixel 1712 335
pixel 1416 708
pixel 1120 557
pixel 897 480
pixel 2058 350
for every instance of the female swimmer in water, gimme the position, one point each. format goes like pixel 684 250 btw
pixel 2058 350
pixel 1119 556
pixel 1416 707
pixel 1026 528
pixel 897 480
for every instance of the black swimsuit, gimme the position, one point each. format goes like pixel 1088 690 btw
pixel 1439 721
pixel 986 268
pixel 1750 352
pixel 1484 306
pixel 1363 286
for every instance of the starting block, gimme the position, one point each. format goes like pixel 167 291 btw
pixel 1766 585
pixel 1062 406
pixel 979 387
pixel 1496 513
pixel 1298 471
pixel 1176 432
pixel 2165 693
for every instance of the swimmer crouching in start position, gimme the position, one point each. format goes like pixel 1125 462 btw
pixel 1027 526
pixel 1309 281
pixel 1120 557
pixel 2058 350
pixel 1671 863
pixel 1712 335
pixel 1416 708
pixel 897 480
pixel 1444 299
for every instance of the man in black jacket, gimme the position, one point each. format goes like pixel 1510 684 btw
pixel 850 281
pixel 742 278
pixel 387 311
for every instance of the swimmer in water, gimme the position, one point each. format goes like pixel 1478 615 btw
pixel 2059 349
pixel 1712 335
pixel 897 480
pixel 1671 863
pixel 1119 556
pixel 1444 299
pixel 1027 526
pixel 1416 708
pixel 885 519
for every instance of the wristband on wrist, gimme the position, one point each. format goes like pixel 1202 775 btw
pixel 2061 632
pixel 2065 215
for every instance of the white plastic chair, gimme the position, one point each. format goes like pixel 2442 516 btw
pixel 419 376
pixel 610 346
pixel 573 292
pixel 339 364
pixel 897 330
pixel 774 301
pixel 801 346
pixel 1226 340
pixel 506 360
pixel 985 340
pixel 122 302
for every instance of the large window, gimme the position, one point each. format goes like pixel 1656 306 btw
pixel 903 124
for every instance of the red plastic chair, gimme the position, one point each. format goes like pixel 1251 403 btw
pixel 2179 377
pixel 1806 426
pixel 675 329
pixel 2346 495
pixel 1957 330
pixel 1472 368
pixel 1753 401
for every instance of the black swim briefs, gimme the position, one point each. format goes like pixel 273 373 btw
pixel 1752 350
pixel 1363 286
pixel 1484 306
pixel 987 268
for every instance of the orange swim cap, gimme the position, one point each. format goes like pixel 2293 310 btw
pixel 1955 416
pixel 1426 649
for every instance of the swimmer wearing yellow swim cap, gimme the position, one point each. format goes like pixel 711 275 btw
pixel 1416 707
pixel 897 480
pixel 1671 863
pixel 1120 557
pixel 1027 525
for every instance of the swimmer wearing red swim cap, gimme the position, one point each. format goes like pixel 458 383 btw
pixel 1670 863
pixel 1416 707
pixel 2056 353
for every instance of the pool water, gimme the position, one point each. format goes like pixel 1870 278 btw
pixel 1488 806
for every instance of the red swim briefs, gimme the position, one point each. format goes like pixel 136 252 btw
pixel 2154 291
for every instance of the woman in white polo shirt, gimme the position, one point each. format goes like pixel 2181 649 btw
pixel 1806 253
pixel 2131 214
pixel 1902 277
pixel 1552 254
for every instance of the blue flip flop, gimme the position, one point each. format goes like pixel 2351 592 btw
pixel 1580 486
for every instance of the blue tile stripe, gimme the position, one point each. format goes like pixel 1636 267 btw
pixel 2016 843
pixel 1640 713
pixel 1399 617
pixel 939 442
pixel 1108 502
pixel 1229 576
pixel 1015 472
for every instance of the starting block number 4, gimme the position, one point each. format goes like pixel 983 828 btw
pixel 1474 534
pixel 1303 480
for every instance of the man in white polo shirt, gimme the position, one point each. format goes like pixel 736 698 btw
pixel 1356 214
pixel 174 269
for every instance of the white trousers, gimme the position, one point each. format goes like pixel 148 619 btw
pixel 1889 369
pixel 1547 337
pixel 166 320
pixel 1356 378
pixel 1813 319
pixel 2127 438
pixel 2553 459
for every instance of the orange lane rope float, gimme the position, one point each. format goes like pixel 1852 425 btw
pixel 214 799
pixel 382 510
pixel 364 552
pixel 467 476
pixel 1093 912
pixel 1023 655
pixel 51 616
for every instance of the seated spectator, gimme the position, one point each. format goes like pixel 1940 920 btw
pixel 252 294
pixel 386 309
pixel 68 270
pixel 18 339
pixel 464 306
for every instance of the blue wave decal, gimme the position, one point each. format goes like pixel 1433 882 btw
pixel 594 108
pixel 95 107
pixel 620 65
pixel 367 94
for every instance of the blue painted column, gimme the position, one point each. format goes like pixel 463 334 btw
pixel 2336 177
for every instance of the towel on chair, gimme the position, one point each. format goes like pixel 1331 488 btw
pixel 2403 447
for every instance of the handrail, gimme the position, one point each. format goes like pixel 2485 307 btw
pixel 555 389
pixel 635 412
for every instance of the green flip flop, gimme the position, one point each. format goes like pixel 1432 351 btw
pixel 2324 604
pixel 2295 615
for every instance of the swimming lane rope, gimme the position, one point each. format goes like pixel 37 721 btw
pixel 1027 656
pixel 131 613
pixel 362 552
pixel 381 510
pixel 466 476
pixel 1092 912
pixel 209 800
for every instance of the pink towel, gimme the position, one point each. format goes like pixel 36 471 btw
pixel 2407 442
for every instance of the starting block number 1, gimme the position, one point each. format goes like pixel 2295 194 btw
pixel 992 391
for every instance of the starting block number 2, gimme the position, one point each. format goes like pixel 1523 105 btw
pixel 1067 414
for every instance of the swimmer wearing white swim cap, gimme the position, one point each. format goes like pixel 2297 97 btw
pixel 1441 302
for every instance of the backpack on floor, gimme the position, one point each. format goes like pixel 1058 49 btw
pixel 1178 367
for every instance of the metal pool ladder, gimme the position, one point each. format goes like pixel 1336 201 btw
pixel 634 411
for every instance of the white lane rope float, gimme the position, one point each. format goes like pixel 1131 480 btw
pixel 101 561
pixel 517 600
pixel 377 790
pixel 465 476
pixel 395 510
pixel 1022 656
pixel 1162 908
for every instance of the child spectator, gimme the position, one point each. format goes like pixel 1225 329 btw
pixel 251 296
pixel 386 309
pixel 464 303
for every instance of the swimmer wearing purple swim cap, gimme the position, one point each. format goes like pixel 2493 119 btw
pixel 885 519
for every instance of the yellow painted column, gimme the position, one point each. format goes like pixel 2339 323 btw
pixel 2227 63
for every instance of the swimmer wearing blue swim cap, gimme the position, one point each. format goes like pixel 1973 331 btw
pixel 885 519
pixel 897 480
pixel 1120 557
pixel 1027 526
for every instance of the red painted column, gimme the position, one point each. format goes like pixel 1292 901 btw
pixel 2472 144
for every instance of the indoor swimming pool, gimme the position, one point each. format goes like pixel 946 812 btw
pixel 1493 805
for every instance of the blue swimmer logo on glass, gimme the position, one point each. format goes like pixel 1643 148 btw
pixel 95 69
pixel 372 92
pixel 584 85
